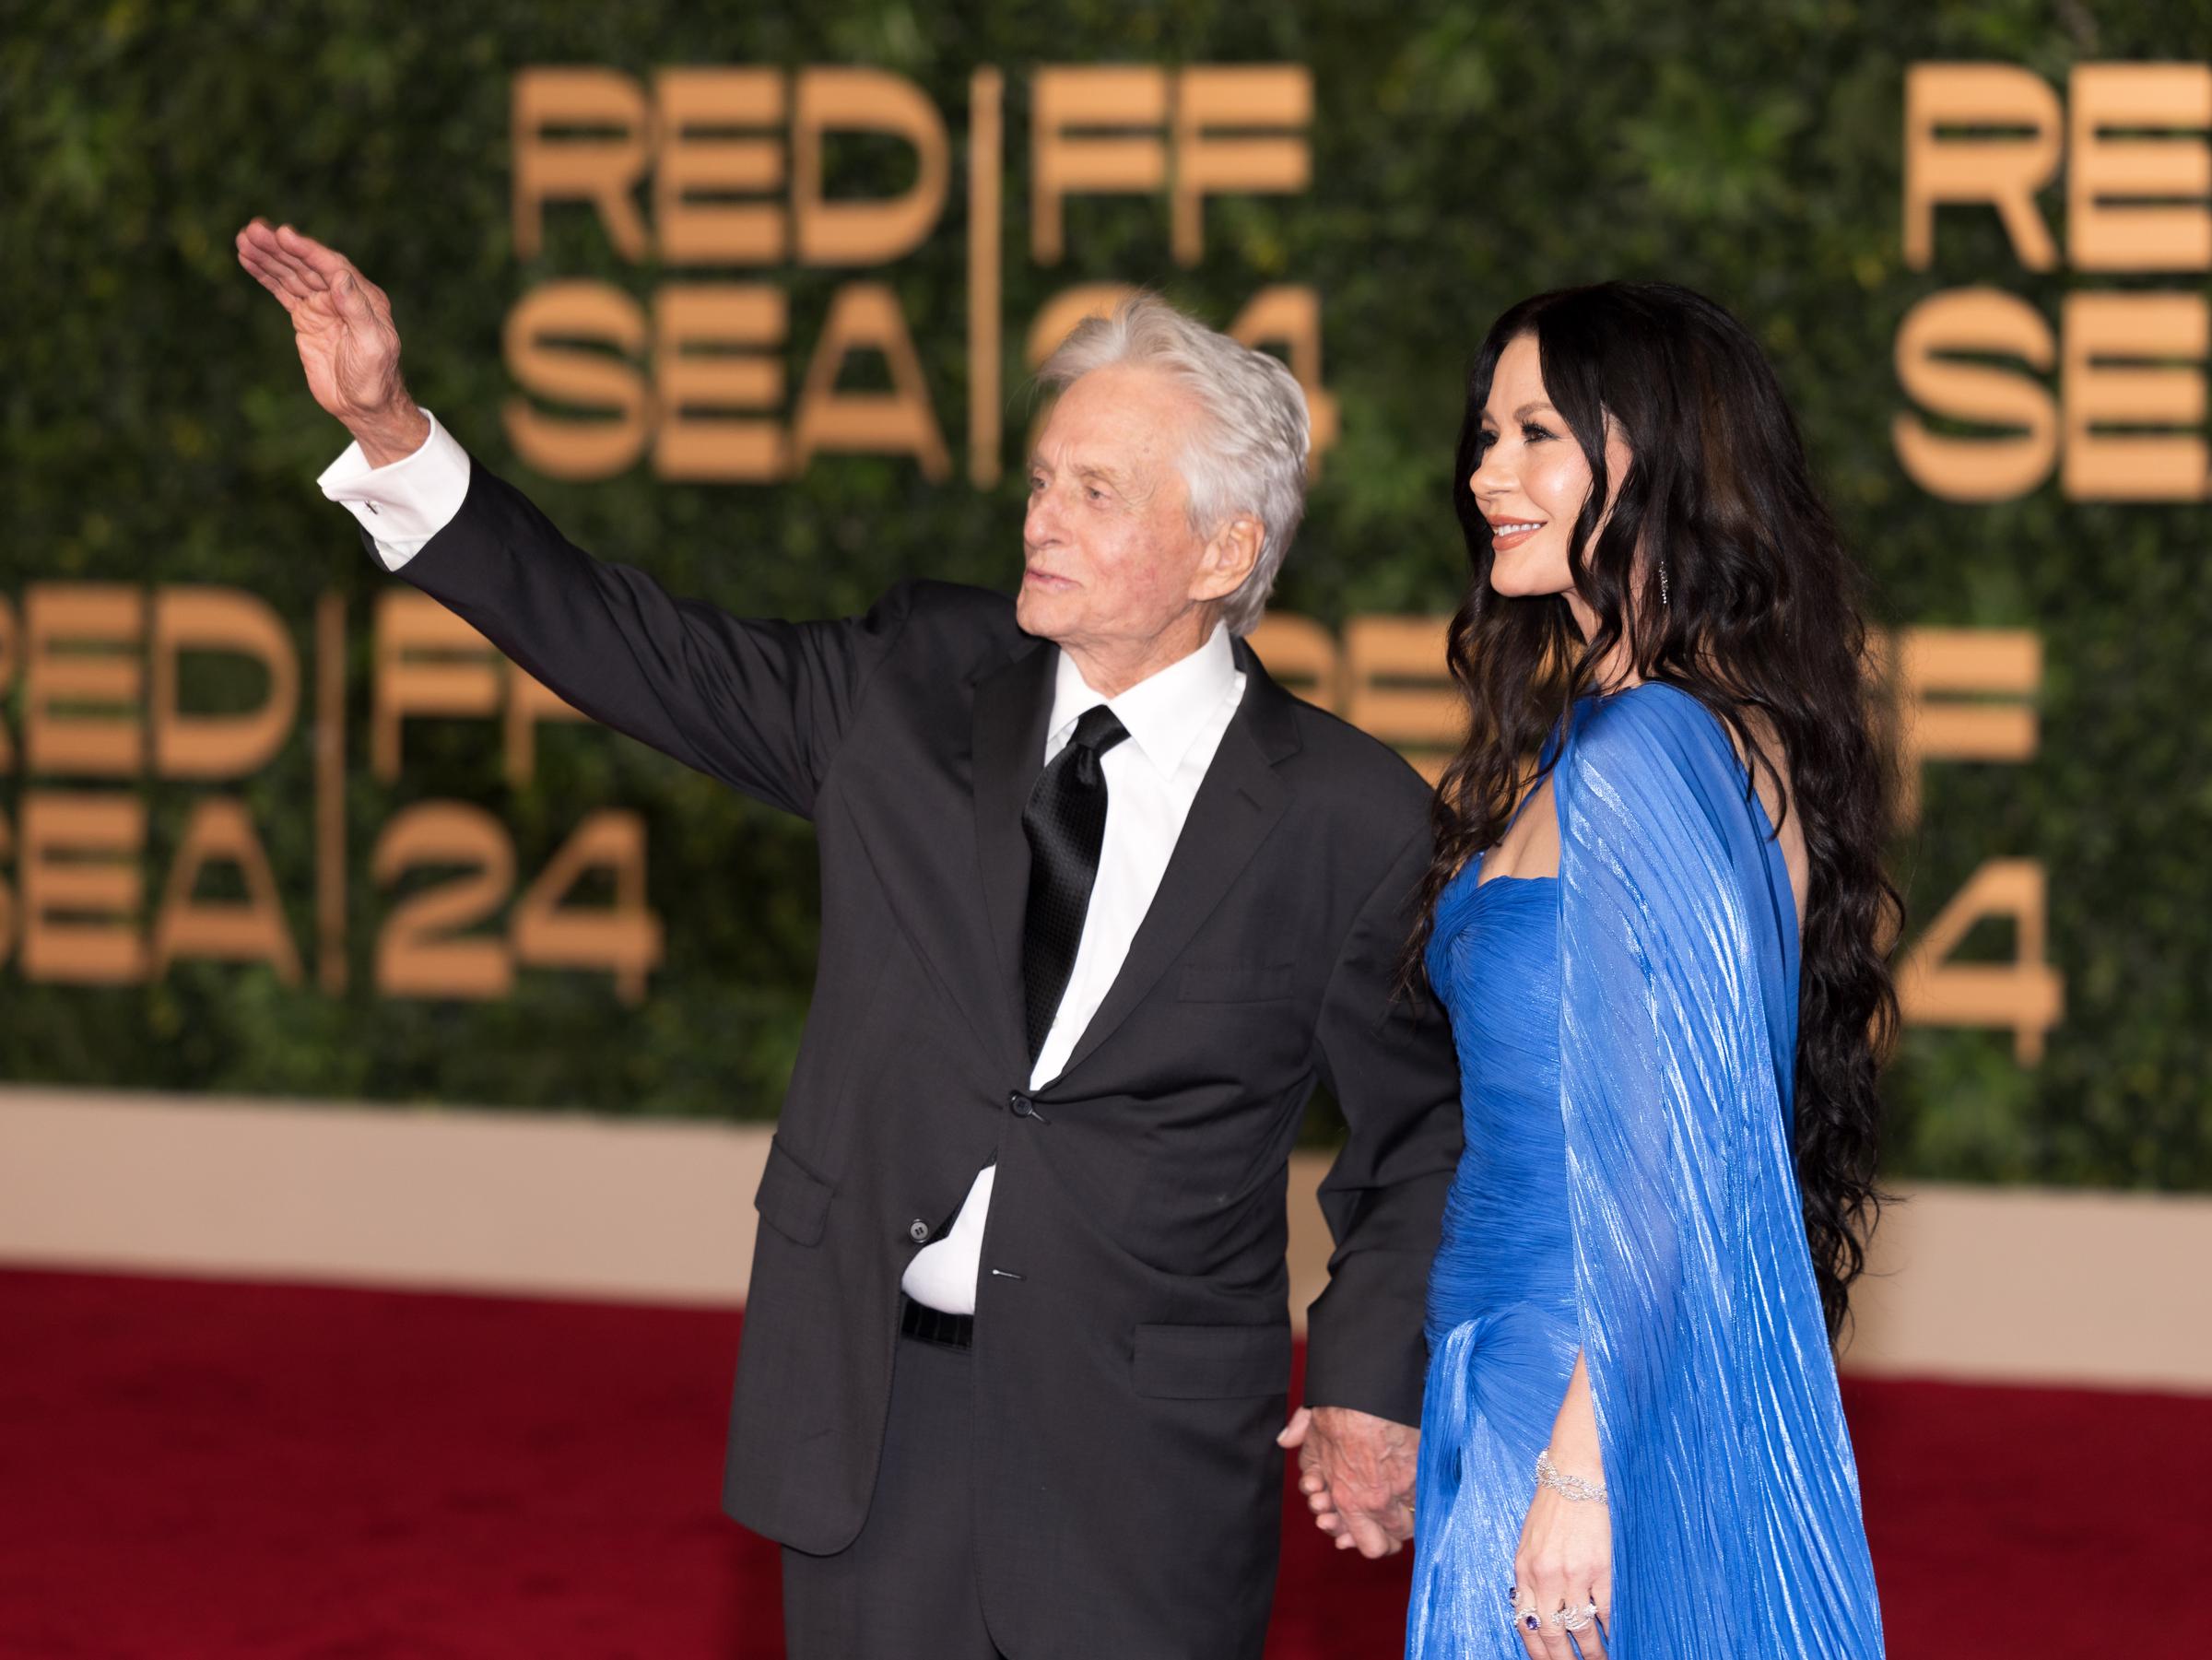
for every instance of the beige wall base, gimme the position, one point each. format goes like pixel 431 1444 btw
pixel 554 1206
pixel 2013 1285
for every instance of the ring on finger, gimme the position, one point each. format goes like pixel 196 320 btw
pixel 1577 1620
pixel 1523 1616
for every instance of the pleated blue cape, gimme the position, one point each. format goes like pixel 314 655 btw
pixel 1736 1522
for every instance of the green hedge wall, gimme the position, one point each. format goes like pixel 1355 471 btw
pixel 155 431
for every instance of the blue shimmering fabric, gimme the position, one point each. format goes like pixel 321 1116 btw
pixel 1627 1035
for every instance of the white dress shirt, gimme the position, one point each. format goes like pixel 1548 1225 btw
pixel 1175 721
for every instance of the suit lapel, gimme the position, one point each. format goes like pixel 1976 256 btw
pixel 1235 808
pixel 1012 706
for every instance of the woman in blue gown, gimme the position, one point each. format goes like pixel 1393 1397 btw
pixel 1657 920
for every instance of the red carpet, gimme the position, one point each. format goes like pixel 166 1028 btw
pixel 191 1469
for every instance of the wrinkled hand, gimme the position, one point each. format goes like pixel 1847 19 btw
pixel 1357 1472
pixel 342 324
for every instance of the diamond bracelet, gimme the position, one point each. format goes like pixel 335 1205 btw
pixel 1567 1486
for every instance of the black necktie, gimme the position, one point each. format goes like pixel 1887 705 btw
pixel 1065 821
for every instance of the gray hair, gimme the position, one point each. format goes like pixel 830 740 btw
pixel 1248 456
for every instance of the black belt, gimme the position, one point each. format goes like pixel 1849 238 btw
pixel 919 1320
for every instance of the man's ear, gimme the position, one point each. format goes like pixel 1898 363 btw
pixel 1228 557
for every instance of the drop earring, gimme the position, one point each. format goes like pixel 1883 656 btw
pixel 1663 581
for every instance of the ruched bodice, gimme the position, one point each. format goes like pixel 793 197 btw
pixel 1494 961
pixel 1501 1315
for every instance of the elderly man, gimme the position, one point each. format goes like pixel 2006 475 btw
pixel 1101 903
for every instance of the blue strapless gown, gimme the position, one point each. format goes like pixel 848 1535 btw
pixel 1501 1324
pixel 1627 1037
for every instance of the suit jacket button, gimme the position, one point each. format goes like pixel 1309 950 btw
pixel 918 1231
pixel 1021 1104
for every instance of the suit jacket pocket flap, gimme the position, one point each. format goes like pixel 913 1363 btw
pixel 791 1198
pixel 1212 1363
pixel 1204 983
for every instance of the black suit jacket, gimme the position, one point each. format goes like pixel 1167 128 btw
pixel 1132 1339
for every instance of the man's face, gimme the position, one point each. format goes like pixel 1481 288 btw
pixel 1111 560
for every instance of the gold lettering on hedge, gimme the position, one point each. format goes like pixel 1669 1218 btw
pixel 1299 654
pixel 7 677
pixel 1053 324
pixel 1096 131
pixel 2137 188
pixel 1286 314
pixel 865 316
pixel 252 930
pixel 529 702
pixel 699 166
pixel 1987 468
pixel 420 952
pixel 602 169
pixel 330 792
pixel 542 360
pixel 7 899
pixel 986 142
pixel 2175 234
pixel 63 683
pixel 1963 694
pixel 865 232
pixel 74 874
pixel 428 662
pixel 2026 995
pixel 1064 311
pixel 1396 686
pixel 238 624
pixel 625 939
pixel 1248 100
pixel 1967 696
pixel 82 888
pixel 739 175
pixel 1289 315
pixel 1388 676
pixel 2135 329
pixel 1069 109
pixel 730 318
pixel 1942 167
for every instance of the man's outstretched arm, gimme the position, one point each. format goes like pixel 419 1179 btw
pixel 759 705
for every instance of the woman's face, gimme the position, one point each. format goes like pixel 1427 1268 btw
pixel 1532 480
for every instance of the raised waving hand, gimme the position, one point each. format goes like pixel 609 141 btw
pixel 342 324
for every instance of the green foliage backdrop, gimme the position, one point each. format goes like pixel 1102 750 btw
pixel 155 430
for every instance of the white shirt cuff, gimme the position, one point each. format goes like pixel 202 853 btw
pixel 407 503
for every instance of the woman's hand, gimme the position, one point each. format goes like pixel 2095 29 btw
pixel 1565 1560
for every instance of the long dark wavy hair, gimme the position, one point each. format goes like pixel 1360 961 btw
pixel 1763 623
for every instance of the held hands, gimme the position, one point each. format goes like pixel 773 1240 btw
pixel 342 324
pixel 1357 1472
